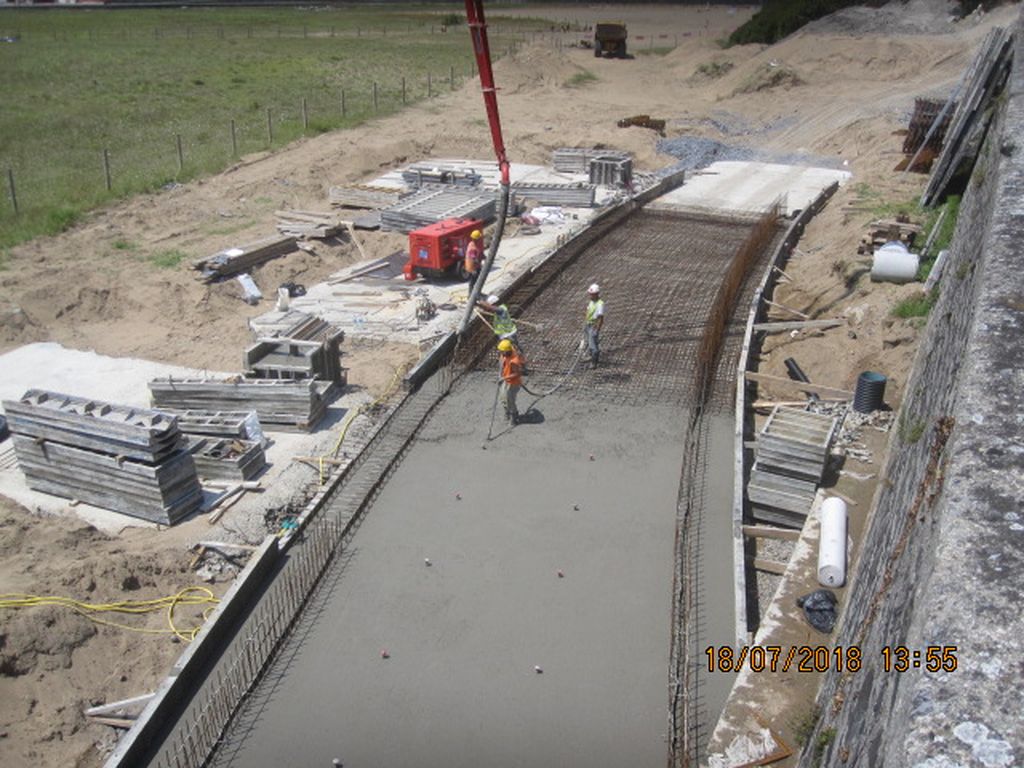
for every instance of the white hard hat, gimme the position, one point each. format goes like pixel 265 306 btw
pixel 493 299
pixel 594 288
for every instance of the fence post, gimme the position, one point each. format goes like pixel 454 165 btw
pixel 10 185
pixel 270 128
pixel 305 115
pixel 343 110
pixel 181 155
pixel 106 167
pixel 403 90
pixel 234 141
pixel 374 95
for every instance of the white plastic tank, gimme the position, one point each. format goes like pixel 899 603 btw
pixel 832 546
pixel 894 263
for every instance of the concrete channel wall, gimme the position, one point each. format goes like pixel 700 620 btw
pixel 939 581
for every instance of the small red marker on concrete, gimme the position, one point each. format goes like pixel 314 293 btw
pixel 384 653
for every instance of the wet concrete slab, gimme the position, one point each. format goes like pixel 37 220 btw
pixel 465 634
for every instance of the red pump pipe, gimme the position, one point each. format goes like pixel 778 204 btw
pixel 478 31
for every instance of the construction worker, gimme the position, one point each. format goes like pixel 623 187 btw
pixel 594 321
pixel 502 324
pixel 474 256
pixel 511 378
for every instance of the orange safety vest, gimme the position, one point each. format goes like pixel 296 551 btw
pixel 471 263
pixel 512 369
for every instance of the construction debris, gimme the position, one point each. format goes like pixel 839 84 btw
pixel 290 358
pixel 643 121
pixel 280 405
pixel 791 452
pixel 986 76
pixel 308 224
pixel 455 174
pixel 572 160
pixel 130 460
pixel 430 205
pixel 926 133
pixel 578 195
pixel 899 230
pixel 363 196
pixel 227 459
pixel 243 258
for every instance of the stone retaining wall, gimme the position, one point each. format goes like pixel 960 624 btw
pixel 942 563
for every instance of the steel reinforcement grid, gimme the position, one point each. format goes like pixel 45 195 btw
pixel 659 269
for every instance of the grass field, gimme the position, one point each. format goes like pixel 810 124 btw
pixel 77 83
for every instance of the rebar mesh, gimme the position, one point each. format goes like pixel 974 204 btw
pixel 660 275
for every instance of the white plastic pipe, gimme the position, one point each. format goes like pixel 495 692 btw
pixel 832 546
pixel 893 263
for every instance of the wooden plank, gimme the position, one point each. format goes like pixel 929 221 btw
pixel 770 566
pixel 803 386
pixel 771 532
pixel 796 325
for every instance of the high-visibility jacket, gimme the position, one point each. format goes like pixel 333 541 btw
pixel 595 309
pixel 512 369
pixel 503 323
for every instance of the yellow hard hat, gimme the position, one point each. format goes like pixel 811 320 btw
pixel 504 345
pixel 476 234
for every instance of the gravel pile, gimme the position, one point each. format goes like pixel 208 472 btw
pixel 917 17
pixel 694 152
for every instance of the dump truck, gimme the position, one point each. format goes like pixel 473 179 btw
pixel 610 39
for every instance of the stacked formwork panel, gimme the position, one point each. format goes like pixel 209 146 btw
pixel 130 460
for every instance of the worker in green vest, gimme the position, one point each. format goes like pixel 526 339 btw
pixel 594 321
pixel 502 324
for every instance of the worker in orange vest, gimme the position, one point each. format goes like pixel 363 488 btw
pixel 511 378
pixel 474 256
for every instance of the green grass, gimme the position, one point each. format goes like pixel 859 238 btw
pixel 658 50
pixel 584 77
pixel 943 237
pixel 916 306
pixel 130 81
pixel 714 69
pixel 167 259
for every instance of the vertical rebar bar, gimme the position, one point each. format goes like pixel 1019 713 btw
pixel 270 128
pixel 403 90
pixel 430 89
pixel 343 110
pixel 305 115
pixel 374 95
pixel 234 140
pixel 181 154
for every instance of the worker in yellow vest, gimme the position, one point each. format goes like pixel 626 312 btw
pixel 594 321
pixel 502 323
pixel 511 378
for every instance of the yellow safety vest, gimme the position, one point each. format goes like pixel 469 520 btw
pixel 592 308
pixel 503 324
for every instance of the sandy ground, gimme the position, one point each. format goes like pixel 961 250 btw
pixel 842 89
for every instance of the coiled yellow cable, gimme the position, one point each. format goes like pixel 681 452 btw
pixel 190 596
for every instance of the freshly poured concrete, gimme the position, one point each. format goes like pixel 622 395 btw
pixel 465 633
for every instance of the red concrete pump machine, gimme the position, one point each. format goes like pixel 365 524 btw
pixel 438 250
